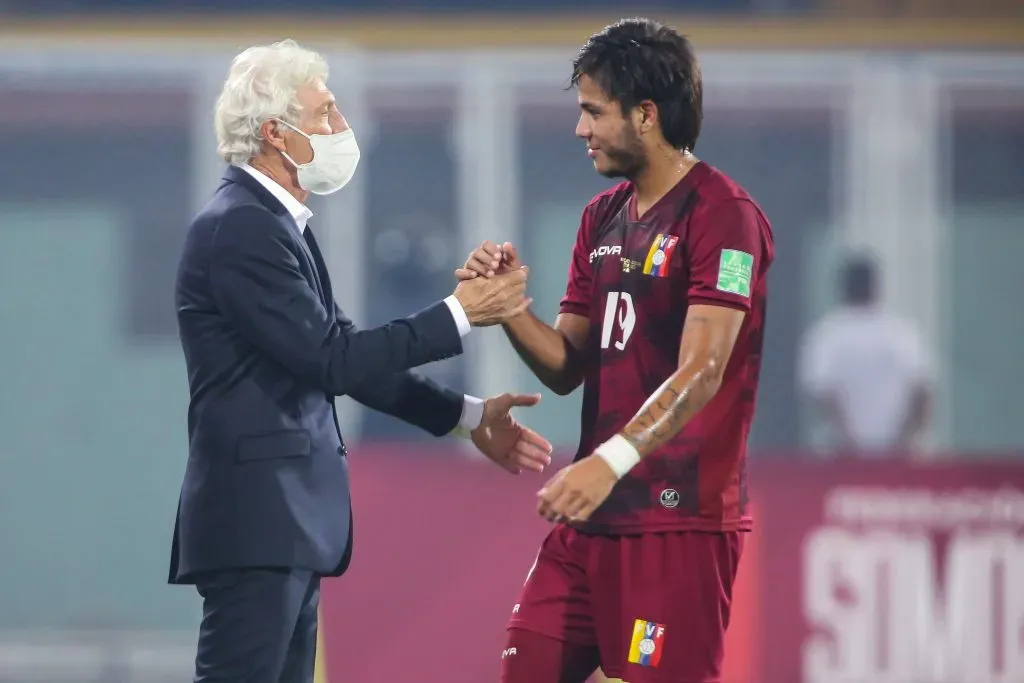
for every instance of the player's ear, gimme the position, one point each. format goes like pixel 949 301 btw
pixel 647 116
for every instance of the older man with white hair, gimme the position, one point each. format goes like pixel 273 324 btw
pixel 264 510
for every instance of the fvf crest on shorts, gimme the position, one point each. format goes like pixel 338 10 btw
pixel 648 638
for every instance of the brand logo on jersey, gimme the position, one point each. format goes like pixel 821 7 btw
pixel 508 652
pixel 647 644
pixel 660 255
pixel 670 498
pixel 605 250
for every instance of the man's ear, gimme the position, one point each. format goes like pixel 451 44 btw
pixel 273 132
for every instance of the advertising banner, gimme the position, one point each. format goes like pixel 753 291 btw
pixel 857 572
pixel 891 572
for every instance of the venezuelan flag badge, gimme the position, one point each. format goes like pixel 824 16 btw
pixel 659 255
pixel 648 641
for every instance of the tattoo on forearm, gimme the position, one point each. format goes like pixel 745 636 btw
pixel 668 411
pixel 672 406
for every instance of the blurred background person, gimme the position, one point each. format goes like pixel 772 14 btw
pixel 867 371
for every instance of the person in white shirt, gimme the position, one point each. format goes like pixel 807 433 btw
pixel 866 370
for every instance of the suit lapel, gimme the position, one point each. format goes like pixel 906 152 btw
pixel 323 278
pixel 314 259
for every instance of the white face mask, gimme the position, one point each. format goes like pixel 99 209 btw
pixel 334 161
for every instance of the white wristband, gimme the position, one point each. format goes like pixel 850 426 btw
pixel 619 453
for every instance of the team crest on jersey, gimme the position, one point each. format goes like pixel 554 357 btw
pixel 660 254
pixel 647 644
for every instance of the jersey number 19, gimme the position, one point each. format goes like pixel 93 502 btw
pixel 619 315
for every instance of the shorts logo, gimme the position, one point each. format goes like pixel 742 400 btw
pixel 648 641
pixel 670 498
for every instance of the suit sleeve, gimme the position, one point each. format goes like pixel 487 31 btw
pixel 726 253
pixel 408 396
pixel 257 284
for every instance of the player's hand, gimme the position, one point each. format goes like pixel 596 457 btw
pixel 494 300
pixel 505 441
pixel 489 259
pixel 576 491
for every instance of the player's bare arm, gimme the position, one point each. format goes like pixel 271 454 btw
pixel 709 335
pixel 708 338
pixel 553 353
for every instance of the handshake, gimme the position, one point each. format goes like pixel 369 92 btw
pixel 492 285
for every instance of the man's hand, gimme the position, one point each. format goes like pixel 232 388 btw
pixel 576 491
pixel 489 259
pixel 493 300
pixel 505 441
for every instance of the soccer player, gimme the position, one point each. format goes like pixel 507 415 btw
pixel 662 323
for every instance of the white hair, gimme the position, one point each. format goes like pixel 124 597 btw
pixel 261 85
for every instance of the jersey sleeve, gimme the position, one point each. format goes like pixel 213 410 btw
pixel 578 289
pixel 725 251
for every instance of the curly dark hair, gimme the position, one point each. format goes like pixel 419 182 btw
pixel 634 60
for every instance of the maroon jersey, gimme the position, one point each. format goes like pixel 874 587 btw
pixel 705 242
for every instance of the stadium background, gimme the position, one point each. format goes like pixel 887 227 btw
pixel 897 126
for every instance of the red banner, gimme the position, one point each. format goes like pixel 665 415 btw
pixel 889 572
pixel 857 572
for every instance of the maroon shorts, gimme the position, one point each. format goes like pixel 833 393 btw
pixel 649 608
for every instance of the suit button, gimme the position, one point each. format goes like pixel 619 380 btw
pixel 341 451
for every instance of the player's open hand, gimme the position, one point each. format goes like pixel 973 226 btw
pixel 489 259
pixel 576 491
pixel 505 441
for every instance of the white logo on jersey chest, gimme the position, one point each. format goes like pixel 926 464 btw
pixel 605 250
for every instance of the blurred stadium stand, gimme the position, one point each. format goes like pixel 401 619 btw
pixel 378 6
pixel 916 8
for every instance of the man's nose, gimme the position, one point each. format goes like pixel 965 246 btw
pixel 338 123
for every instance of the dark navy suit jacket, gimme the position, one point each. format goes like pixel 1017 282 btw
pixel 267 350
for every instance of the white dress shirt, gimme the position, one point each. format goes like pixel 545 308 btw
pixel 472 407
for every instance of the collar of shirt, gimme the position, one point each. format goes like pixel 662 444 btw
pixel 299 212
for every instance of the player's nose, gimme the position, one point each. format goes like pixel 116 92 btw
pixel 583 128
